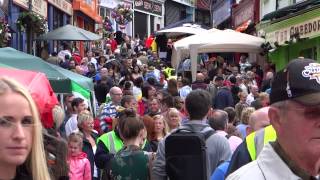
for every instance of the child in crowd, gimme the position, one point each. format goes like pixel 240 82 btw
pixel 79 165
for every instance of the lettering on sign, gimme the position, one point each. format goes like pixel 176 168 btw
pixel 306 29
pixel 148 6
pixel 62 5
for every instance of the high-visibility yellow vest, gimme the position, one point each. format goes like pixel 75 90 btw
pixel 256 140
pixel 112 142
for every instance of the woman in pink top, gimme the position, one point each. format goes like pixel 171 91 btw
pixel 79 165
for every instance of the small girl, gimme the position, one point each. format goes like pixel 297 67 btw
pixel 79 165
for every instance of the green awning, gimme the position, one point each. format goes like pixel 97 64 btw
pixel 83 81
pixel 20 60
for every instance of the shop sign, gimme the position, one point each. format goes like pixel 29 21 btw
pixel 108 4
pixel 244 14
pixel 221 12
pixel 38 6
pixel 63 5
pixel 148 6
pixel 186 2
pixel 306 29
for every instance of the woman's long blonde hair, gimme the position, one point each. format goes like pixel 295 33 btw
pixel 36 160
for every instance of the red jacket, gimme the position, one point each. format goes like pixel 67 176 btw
pixel 149 42
pixel 77 58
pixel 113 44
pixel 79 167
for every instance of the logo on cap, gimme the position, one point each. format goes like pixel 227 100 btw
pixel 312 71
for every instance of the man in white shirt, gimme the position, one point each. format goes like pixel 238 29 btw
pixel 91 59
pixel 77 105
pixel 254 93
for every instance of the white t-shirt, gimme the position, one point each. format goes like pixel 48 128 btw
pixel 72 124
pixel 62 54
pixel 95 62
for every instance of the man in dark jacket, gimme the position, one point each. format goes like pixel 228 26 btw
pixel 223 98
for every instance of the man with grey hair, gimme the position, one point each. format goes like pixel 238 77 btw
pixel 219 122
pixel 109 110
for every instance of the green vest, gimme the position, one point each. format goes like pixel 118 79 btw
pixel 113 142
pixel 256 140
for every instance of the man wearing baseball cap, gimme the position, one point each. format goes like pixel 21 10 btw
pixel 295 115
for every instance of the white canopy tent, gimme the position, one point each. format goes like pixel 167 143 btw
pixel 181 30
pixel 181 48
pixel 225 41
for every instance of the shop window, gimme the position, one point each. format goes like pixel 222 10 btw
pixel 310 53
pixel 102 12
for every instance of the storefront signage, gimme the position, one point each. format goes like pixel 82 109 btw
pixel 221 12
pixel 148 6
pixel 63 5
pixel 243 14
pixel 108 4
pixel 38 6
pixel 306 29
pixel 186 2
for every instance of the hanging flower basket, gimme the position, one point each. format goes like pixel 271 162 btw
pixel 37 23
pixel 107 27
pixel 5 35
pixel 122 14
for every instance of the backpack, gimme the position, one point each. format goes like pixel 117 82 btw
pixel 185 153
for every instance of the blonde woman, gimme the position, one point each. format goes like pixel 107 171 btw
pixel 85 125
pixel 244 120
pixel 173 118
pixel 22 153
pixel 160 130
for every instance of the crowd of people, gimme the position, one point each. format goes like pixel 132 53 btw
pixel 141 102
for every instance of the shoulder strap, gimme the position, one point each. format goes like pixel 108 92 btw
pixel 207 134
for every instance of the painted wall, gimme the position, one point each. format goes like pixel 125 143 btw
pixel 284 54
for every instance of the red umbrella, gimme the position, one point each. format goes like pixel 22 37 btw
pixel 40 89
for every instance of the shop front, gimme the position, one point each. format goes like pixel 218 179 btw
pixel 179 10
pixel 148 17
pixel 202 13
pixel 19 39
pixel 85 16
pixel 245 15
pixel 298 36
pixel 221 13
pixel 59 14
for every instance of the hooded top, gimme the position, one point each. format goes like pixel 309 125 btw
pixel 79 167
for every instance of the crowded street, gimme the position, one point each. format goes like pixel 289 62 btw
pixel 159 90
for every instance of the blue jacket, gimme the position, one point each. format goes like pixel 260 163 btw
pixel 239 158
pixel 223 98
